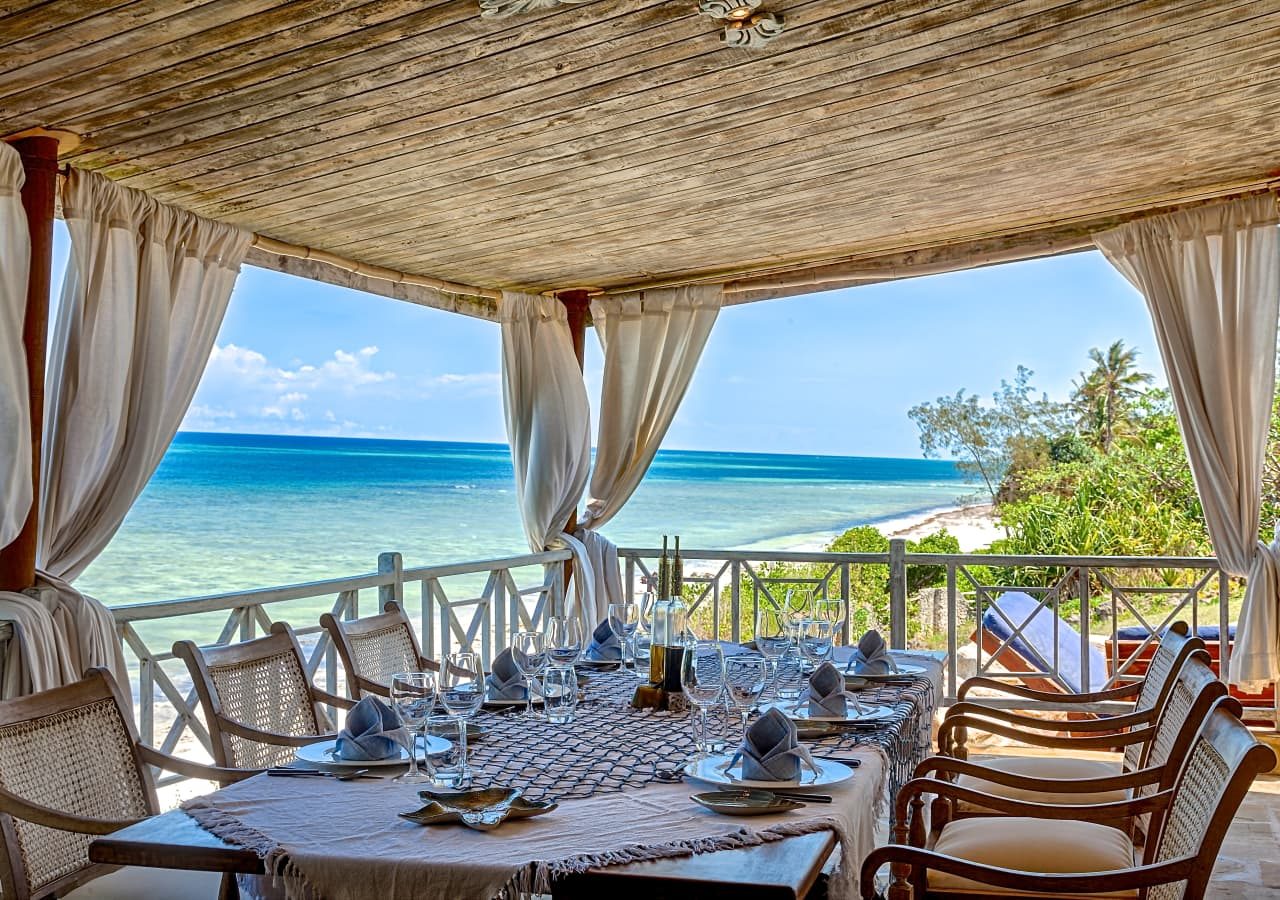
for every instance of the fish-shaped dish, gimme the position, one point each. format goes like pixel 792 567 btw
pixel 482 809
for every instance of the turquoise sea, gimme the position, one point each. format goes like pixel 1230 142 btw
pixel 227 512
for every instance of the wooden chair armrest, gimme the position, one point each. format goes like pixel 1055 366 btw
pixel 1103 813
pixel 945 765
pixel 1035 739
pixel 270 737
pixel 334 700
pixel 153 757
pixel 1124 692
pixel 1111 723
pixel 28 811
pixel 1012 879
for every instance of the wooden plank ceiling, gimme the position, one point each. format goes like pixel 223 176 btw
pixel 616 142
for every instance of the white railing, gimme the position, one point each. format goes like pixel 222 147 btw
pixel 479 605
pixel 449 613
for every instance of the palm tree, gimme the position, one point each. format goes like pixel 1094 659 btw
pixel 1102 397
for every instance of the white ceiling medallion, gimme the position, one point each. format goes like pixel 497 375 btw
pixel 498 9
pixel 745 24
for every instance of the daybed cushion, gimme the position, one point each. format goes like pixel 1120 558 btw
pixel 1032 845
pixel 1046 767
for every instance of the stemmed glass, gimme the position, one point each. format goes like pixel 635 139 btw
pixel 462 693
pixel 830 609
pixel 772 636
pixel 745 678
pixel 702 680
pixel 564 641
pixel 797 606
pixel 529 653
pixel 624 618
pixel 413 694
pixel 816 640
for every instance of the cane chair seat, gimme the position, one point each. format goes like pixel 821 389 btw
pixel 1035 845
pixel 375 648
pixel 1058 767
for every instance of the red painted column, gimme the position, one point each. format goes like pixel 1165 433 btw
pixel 40 162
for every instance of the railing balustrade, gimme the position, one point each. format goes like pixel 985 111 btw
pixel 479 605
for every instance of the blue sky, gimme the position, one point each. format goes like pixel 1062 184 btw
pixel 831 373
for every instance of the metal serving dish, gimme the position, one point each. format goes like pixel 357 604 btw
pixel 483 809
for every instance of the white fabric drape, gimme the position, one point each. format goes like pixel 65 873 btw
pixel 15 420
pixel 652 341
pixel 1211 278
pixel 144 294
pixel 548 423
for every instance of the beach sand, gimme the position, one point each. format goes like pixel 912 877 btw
pixel 974 525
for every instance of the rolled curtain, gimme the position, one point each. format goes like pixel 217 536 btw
pixel 145 292
pixel 15 418
pixel 1211 278
pixel 548 426
pixel 652 341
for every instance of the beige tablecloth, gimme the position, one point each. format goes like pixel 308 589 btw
pixel 344 841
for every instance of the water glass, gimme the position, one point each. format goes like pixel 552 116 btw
pixel 772 635
pixel 624 619
pixel 789 681
pixel 560 689
pixel 529 653
pixel 413 696
pixel 745 678
pixel 816 641
pixel 564 641
pixel 702 680
pixel 462 694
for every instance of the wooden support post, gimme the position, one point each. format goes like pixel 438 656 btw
pixel 898 594
pixel 577 303
pixel 40 162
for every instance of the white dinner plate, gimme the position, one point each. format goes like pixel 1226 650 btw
pixel 491 703
pixel 597 663
pixel 711 770
pixel 869 714
pixel 324 753
pixel 905 670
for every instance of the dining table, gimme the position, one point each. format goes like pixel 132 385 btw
pixel 621 823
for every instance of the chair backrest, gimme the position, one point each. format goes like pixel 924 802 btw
pixel 1034 632
pixel 72 750
pixel 1176 647
pixel 1223 761
pixel 374 648
pixel 261 683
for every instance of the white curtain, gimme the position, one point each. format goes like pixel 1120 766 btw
pixel 145 292
pixel 1211 278
pixel 652 341
pixel 15 420
pixel 548 424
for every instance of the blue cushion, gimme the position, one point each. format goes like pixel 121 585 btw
pixel 1035 642
pixel 1204 632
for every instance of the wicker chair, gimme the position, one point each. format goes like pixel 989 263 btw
pixel 1147 694
pixel 71 767
pixel 1163 746
pixel 257 698
pixel 1074 851
pixel 375 648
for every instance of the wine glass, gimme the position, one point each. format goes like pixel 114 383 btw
pixel 832 610
pixel 624 618
pixel 816 641
pixel 745 678
pixel 797 606
pixel 413 695
pixel 462 693
pixel 772 636
pixel 702 680
pixel 564 641
pixel 529 653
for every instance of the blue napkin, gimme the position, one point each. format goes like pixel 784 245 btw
pixel 770 751
pixel 827 696
pixel 373 730
pixel 504 681
pixel 605 646
pixel 871 657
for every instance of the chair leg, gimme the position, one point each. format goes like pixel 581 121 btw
pixel 229 889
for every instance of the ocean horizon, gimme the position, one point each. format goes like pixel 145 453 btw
pixel 229 512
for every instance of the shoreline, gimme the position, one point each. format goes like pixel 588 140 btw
pixel 972 524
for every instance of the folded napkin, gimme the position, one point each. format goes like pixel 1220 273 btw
pixel 827 696
pixel 605 645
pixel 373 731
pixel 871 657
pixel 504 681
pixel 770 751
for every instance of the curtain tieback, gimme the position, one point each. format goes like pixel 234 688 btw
pixel 584 578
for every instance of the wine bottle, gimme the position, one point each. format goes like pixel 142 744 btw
pixel 677 572
pixel 664 572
